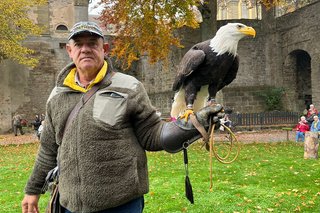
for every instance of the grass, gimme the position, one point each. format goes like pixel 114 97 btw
pixel 16 162
pixel 266 177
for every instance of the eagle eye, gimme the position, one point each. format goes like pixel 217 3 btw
pixel 239 26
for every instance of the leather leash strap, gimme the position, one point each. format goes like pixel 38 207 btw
pixel 199 127
pixel 80 104
pixel 203 132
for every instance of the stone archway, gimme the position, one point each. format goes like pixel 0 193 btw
pixel 297 80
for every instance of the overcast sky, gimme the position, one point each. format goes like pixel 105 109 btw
pixel 91 6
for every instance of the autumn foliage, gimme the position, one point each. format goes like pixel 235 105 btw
pixel 146 26
pixel 15 26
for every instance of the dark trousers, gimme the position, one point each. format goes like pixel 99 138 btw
pixel 15 129
pixel 134 206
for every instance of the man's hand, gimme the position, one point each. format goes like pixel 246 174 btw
pixel 30 204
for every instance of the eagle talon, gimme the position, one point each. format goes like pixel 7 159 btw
pixel 186 114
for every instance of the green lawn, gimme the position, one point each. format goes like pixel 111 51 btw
pixel 266 177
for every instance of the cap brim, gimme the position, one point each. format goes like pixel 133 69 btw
pixel 84 31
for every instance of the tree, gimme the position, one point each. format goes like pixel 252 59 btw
pixel 146 26
pixel 15 27
pixel 149 26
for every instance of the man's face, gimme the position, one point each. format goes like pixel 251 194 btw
pixel 87 52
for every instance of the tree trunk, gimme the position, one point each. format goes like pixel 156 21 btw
pixel 311 145
pixel 208 27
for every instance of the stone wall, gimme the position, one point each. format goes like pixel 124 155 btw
pixel 267 60
pixel 299 31
pixel 12 93
pixel 262 63
pixel 25 90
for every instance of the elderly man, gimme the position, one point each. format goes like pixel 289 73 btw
pixel 100 151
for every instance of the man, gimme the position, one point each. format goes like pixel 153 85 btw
pixel 101 154
pixel 17 124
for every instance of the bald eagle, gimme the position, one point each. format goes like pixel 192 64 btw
pixel 206 68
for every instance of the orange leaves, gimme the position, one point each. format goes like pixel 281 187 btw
pixel 271 3
pixel 146 27
pixel 267 3
pixel 306 201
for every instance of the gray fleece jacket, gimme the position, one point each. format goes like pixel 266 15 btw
pixel 102 155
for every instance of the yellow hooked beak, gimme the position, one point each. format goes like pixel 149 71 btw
pixel 248 31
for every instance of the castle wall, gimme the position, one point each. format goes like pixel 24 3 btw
pixel 11 95
pixel 299 31
pixel 25 90
pixel 263 62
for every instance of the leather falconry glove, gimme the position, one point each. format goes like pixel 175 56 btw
pixel 175 134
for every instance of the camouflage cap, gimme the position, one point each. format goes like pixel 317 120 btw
pixel 85 26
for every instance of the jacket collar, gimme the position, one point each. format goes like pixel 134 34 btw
pixel 66 70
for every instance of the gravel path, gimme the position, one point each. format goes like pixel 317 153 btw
pixel 246 137
pixel 8 139
pixel 266 136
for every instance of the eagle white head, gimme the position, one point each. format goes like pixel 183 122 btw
pixel 228 37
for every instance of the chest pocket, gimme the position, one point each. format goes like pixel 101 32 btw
pixel 110 106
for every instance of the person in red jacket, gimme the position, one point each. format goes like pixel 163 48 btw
pixel 301 128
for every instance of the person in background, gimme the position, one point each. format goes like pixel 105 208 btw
pixel 36 123
pixel 301 128
pixel 17 124
pixel 226 121
pixel 315 126
pixel 312 111
pixel 102 152
pixel 40 129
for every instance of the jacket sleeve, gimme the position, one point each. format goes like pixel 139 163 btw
pixel 46 159
pixel 146 123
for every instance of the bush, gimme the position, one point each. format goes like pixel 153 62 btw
pixel 272 97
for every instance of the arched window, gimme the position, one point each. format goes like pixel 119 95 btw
pixel 62 27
